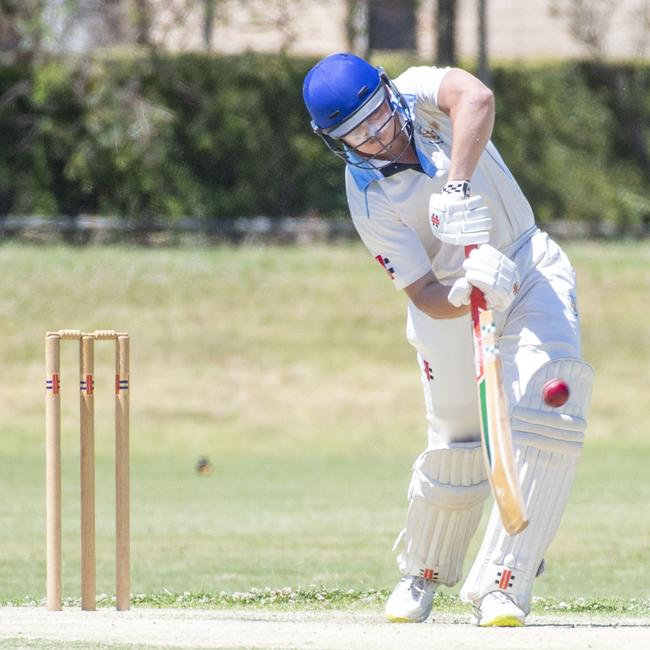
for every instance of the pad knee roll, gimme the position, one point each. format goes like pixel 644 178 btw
pixel 446 495
pixel 548 442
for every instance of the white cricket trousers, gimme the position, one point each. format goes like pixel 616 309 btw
pixel 541 325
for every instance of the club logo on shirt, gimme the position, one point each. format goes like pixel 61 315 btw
pixel 388 267
pixel 430 135
pixel 426 368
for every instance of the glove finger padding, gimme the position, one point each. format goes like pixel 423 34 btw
pixel 460 292
pixel 459 221
pixel 494 274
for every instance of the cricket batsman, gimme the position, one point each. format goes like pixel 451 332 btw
pixel 423 181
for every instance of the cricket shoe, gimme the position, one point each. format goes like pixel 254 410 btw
pixel 497 609
pixel 411 600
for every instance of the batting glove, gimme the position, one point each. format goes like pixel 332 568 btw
pixel 493 273
pixel 457 219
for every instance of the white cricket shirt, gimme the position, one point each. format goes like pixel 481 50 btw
pixel 391 214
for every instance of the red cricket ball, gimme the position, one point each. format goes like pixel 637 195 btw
pixel 555 392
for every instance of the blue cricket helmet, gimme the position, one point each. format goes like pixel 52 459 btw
pixel 340 92
pixel 336 90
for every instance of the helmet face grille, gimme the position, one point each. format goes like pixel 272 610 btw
pixel 352 154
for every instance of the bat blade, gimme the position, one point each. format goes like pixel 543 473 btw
pixel 496 435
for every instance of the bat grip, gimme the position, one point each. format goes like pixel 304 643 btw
pixel 477 299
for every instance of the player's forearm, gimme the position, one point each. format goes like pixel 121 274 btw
pixel 430 297
pixel 472 120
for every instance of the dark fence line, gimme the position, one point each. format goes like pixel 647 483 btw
pixel 244 230
pixel 106 230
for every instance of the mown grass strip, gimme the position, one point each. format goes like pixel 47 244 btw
pixel 324 598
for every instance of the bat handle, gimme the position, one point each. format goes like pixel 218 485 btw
pixel 477 299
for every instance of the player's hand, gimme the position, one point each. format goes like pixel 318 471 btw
pixel 493 273
pixel 459 221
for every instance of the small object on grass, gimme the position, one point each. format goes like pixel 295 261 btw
pixel 203 466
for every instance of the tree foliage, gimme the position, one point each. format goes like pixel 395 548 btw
pixel 215 137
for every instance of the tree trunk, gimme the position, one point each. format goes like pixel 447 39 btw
pixel 208 23
pixel 446 28
pixel 357 27
pixel 142 22
pixel 483 65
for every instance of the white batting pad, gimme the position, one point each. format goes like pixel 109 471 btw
pixel 446 494
pixel 548 444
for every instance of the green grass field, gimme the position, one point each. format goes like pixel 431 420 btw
pixel 287 367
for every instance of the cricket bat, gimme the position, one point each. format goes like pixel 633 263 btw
pixel 496 435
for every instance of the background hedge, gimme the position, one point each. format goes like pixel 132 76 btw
pixel 219 137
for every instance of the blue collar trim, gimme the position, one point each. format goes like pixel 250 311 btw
pixel 363 177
